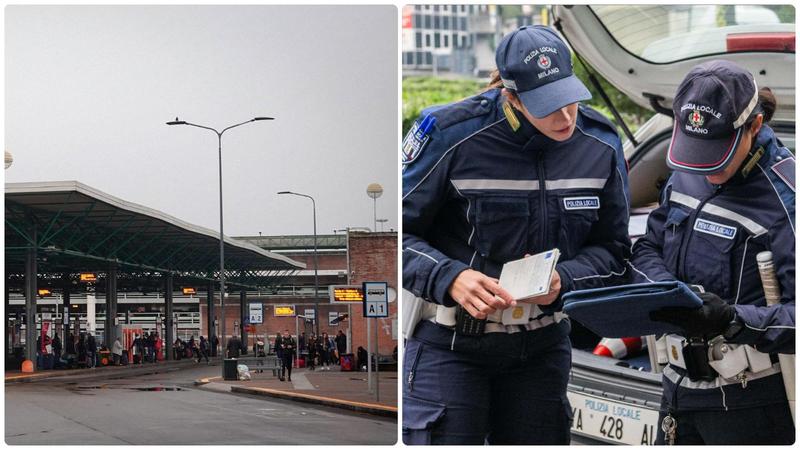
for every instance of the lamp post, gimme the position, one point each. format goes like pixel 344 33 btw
pixel 382 221
pixel 221 235
pixel 316 264
pixel 374 190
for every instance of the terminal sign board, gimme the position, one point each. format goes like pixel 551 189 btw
pixel 336 318
pixel 333 318
pixel 376 299
pixel 256 313
pixel 346 294
pixel 88 277
pixel 284 311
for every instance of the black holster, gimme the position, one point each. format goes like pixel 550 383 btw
pixel 695 354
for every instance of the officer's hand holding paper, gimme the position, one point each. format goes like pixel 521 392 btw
pixel 479 294
pixel 531 281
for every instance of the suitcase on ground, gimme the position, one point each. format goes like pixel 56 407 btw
pixel 346 362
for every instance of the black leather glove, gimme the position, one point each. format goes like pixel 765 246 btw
pixel 710 319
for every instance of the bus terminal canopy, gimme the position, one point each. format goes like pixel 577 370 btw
pixel 75 228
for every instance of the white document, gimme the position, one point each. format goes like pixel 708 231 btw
pixel 524 279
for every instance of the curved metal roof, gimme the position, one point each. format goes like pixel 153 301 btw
pixel 76 227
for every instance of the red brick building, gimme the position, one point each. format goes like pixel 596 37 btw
pixel 373 257
pixel 343 259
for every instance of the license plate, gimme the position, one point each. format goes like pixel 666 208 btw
pixel 612 421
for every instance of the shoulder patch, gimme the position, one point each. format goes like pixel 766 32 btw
pixel 417 138
pixel 784 169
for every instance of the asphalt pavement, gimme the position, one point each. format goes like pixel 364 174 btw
pixel 167 408
pixel 346 390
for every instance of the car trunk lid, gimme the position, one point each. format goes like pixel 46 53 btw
pixel 646 50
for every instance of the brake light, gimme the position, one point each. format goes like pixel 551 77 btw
pixel 765 42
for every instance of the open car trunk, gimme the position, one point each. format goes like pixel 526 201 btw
pixel 645 52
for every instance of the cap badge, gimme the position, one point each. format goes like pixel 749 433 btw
pixel 696 119
pixel 543 62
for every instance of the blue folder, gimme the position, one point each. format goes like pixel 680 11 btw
pixel 623 311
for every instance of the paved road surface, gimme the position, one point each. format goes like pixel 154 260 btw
pixel 100 411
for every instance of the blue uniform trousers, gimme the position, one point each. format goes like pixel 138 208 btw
pixel 498 388
pixel 761 425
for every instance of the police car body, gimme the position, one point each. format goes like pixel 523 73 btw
pixel 645 51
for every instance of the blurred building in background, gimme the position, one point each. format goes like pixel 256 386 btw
pixel 459 40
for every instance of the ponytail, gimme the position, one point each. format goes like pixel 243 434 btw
pixel 766 106
pixel 766 99
pixel 495 82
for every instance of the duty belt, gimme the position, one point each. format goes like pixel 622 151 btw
pixel 445 316
pixel 731 363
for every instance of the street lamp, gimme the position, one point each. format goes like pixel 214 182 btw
pixel 221 235
pixel 316 265
pixel 374 190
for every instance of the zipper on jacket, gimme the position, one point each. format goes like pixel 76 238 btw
pixel 681 264
pixel 412 373
pixel 542 198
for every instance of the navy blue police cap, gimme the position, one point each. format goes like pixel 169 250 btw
pixel 711 106
pixel 536 64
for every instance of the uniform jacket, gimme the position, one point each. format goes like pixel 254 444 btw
pixel 481 194
pixel 288 346
pixel 710 235
pixel 341 343
pixel 91 344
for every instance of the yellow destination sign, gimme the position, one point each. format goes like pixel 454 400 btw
pixel 284 311
pixel 88 276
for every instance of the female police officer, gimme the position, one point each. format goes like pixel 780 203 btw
pixel 513 171
pixel 731 196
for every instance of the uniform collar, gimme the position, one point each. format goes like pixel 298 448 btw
pixel 766 140
pixel 517 126
pixel 526 130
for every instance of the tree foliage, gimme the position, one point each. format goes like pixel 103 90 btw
pixel 422 92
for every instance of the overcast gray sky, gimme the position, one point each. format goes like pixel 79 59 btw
pixel 89 89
